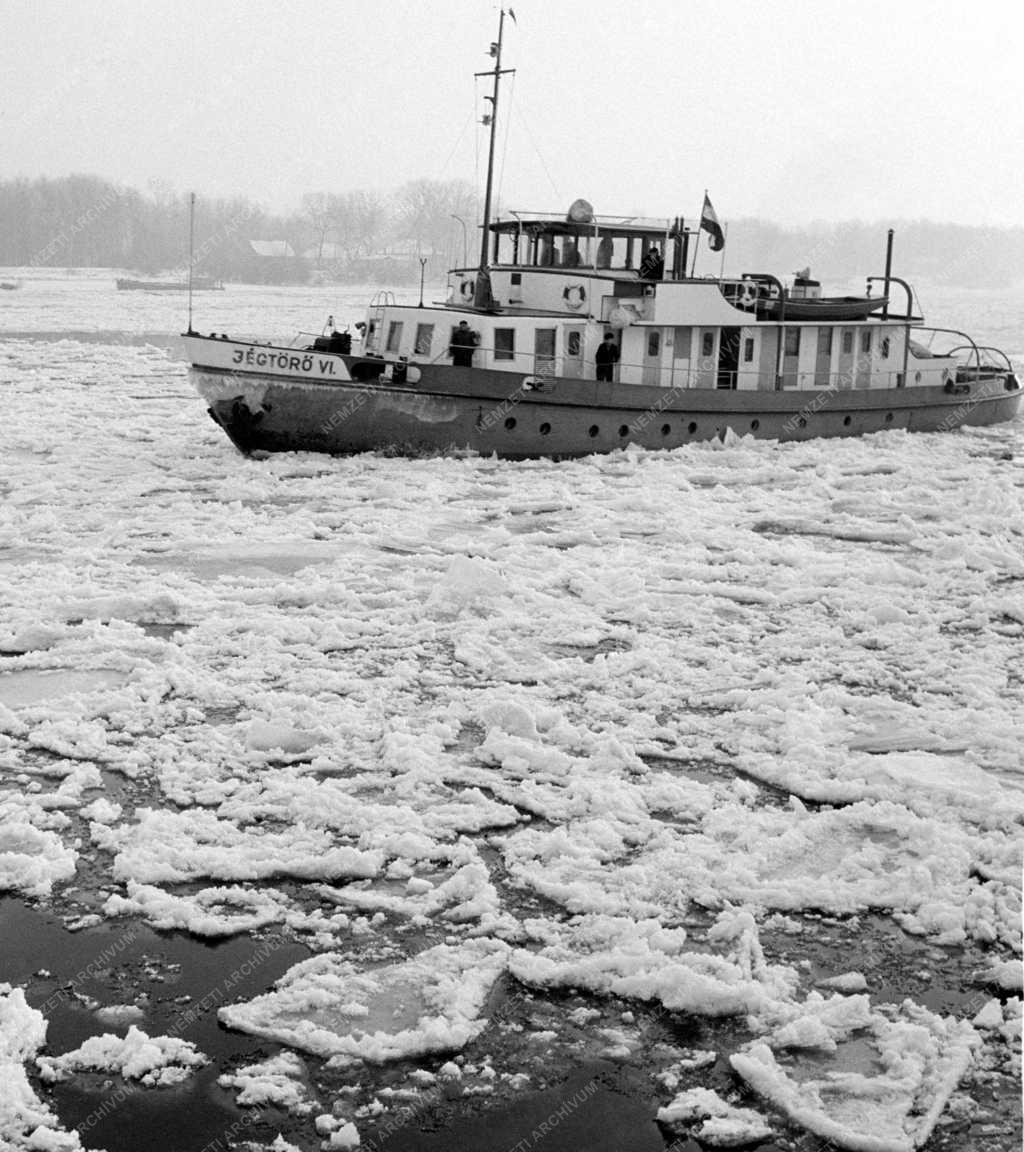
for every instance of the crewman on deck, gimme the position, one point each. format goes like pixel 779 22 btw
pixel 464 340
pixel 652 266
pixel 606 357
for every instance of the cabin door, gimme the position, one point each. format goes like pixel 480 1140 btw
pixel 572 352
pixel 790 357
pixel 652 357
pixel 823 362
pixel 544 351
pixel 728 358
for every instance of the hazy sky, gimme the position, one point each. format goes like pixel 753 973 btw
pixel 795 111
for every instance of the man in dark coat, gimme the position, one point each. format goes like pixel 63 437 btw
pixel 606 357
pixel 463 341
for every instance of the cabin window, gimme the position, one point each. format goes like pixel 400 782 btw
pixel 394 336
pixel 748 349
pixel 865 340
pixel 653 343
pixel 573 344
pixel 885 348
pixel 824 341
pixel 504 343
pixel 847 343
pixel 707 347
pixel 424 338
pixel 792 342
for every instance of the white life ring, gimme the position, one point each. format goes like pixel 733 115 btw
pixel 468 289
pixel 747 297
pixel 575 296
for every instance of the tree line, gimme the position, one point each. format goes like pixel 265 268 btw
pixel 365 236
pixel 86 221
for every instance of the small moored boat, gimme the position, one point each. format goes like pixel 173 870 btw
pixel 577 333
pixel 199 284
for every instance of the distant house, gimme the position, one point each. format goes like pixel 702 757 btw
pixel 275 262
pixel 273 248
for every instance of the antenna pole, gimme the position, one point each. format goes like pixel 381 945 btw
pixel 496 49
pixel 191 248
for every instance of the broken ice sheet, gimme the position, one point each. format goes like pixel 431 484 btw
pixel 713 1120
pixel 881 1089
pixel 432 1002
pixel 642 959
pixel 279 1081
pixel 219 911
pixel 152 1060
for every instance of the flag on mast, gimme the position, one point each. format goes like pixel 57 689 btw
pixel 709 223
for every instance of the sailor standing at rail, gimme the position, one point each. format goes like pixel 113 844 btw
pixel 463 342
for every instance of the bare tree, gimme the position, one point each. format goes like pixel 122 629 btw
pixel 424 209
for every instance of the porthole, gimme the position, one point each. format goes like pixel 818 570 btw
pixel 510 423
pixel 888 417
pixel 545 429
pixel 691 427
pixel 846 421
pixel 623 429
pixel 754 425
pixel 802 422
pixel 666 429
pixel 593 430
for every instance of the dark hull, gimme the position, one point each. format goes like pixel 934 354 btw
pixel 458 410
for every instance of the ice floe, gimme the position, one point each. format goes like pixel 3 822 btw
pixel 26 1122
pixel 152 1060
pixel 872 1083
pixel 433 1002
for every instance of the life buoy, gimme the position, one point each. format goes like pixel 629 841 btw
pixel 747 296
pixel 575 296
pixel 468 289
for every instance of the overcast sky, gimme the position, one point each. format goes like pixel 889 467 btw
pixel 797 111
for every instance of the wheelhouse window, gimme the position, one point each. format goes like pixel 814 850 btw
pixel 707 345
pixel 885 348
pixel 792 342
pixel 865 340
pixel 748 349
pixel 847 343
pixel 504 343
pixel 394 336
pixel 653 342
pixel 424 338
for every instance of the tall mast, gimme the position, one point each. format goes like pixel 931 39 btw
pixel 497 73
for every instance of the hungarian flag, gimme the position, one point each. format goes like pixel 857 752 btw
pixel 709 223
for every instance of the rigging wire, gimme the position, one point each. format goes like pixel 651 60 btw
pixel 458 141
pixel 540 156
pixel 504 144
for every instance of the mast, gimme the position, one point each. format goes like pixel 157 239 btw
pixel 191 248
pixel 497 73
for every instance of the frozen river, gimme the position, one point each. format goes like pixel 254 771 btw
pixel 392 799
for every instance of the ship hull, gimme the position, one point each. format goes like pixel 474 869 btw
pixel 457 409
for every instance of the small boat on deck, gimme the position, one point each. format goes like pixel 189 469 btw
pixel 578 333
